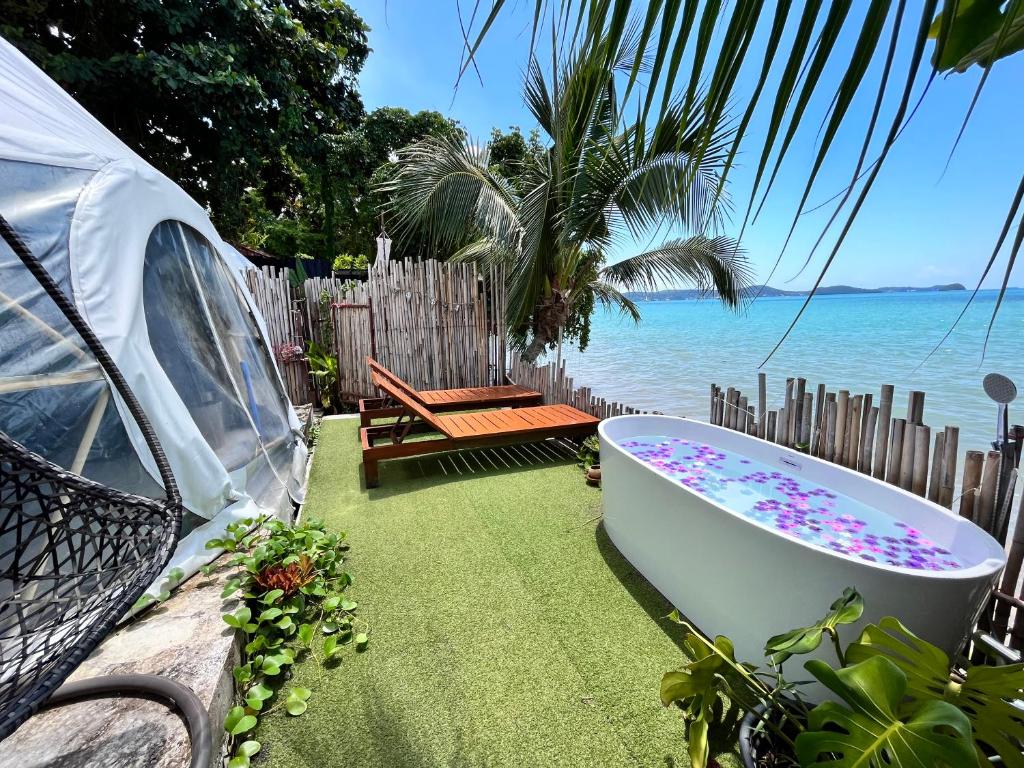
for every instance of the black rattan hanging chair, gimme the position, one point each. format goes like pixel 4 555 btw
pixel 75 556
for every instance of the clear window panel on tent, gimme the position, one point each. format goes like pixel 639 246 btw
pixel 39 201
pixel 246 354
pixel 54 398
pixel 207 341
pixel 185 344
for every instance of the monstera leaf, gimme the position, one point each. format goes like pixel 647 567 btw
pixel 876 728
pixel 985 695
pixel 846 610
pixel 697 687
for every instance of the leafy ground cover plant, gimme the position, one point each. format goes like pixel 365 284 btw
pixel 589 452
pixel 291 582
pixel 900 701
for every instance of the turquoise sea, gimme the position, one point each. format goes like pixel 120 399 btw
pixel 856 342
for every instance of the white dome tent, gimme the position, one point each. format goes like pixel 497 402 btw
pixel 163 292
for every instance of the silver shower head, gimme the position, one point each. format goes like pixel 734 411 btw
pixel 1003 391
pixel 1000 388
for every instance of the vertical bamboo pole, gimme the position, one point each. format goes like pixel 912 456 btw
pixel 1011 575
pixel 786 416
pixel 907 458
pixel 937 465
pixel 762 403
pixel 882 439
pixel 827 438
pixel 793 418
pixel 985 515
pixel 868 441
pixel 798 410
pixel 971 488
pixel 853 439
pixel 819 415
pixel 1004 499
pixel 773 417
pixel 947 482
pixel 831 417
pixel 865 414
pixel 806 412
pixel 922 439
pixel 842 406
pixel 915 407
pixel 892 474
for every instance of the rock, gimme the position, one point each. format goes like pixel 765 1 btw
pixel 183 639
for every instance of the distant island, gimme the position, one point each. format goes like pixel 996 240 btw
pixel 767 290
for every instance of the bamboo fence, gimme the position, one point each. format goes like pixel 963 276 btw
pixel 557 387
pixel 284 314
pixel 851 430
pixel 436 325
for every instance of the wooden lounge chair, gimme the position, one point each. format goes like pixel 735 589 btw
pixel 442 400
pixel 462 430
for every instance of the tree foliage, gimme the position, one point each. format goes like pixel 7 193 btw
pixel 357 162
pixel 220 95
pixel 335 207
pixel 512 154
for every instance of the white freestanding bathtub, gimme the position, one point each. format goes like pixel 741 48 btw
pixel 732 574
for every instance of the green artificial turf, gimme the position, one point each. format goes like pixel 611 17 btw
pixel 506 630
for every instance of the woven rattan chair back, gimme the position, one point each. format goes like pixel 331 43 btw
pixel 74 556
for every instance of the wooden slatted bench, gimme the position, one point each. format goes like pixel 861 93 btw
pixel 462 430
pixel 442 400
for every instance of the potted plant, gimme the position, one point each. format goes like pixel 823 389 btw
pixel 589 458
pixel 898 701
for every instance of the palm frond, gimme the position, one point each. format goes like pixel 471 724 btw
pixel 538 99
pixel 486 251
pixel 610 297
pixel 443 188
pixel 535 255
pixel 708 264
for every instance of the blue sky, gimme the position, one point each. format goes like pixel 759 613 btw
pixel 921 225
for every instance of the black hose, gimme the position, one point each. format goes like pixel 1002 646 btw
pixel 197 719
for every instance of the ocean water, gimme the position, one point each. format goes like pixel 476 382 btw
pixel 855 342
pixel 790 505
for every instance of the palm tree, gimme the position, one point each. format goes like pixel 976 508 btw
pixel 595 183
pixel 789 48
